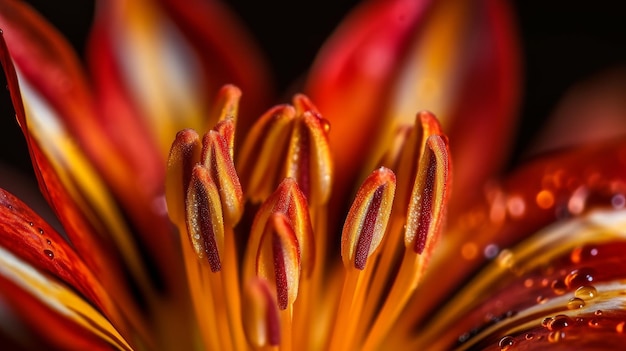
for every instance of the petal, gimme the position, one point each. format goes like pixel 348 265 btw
pixel 167 59
pixel 226 51
pixel 391 59
pixel 52 311
pixel 31 239
pixel 547 190
pixel 558 285
pixel 56 114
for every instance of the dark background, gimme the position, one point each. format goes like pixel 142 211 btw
pixel 563 42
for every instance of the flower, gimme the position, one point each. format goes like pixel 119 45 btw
pixel 189 224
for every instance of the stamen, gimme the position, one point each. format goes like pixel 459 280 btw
pixel 261 154
pixel 287 200
pixel 293 141
pixel 423 226
pixel 368 218
pixel 429 195
pixel 225 106
pixel 204 218
pixel 216 158
pixel 425 126
pixel 278 259
pixel 184 154
pixel 362 234
pixel 260 314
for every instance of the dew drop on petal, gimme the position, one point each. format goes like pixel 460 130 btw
pixel 558 286
pixel 40 231
pixel 556 336
pixel 598 313
pixel 541 299
pixel 48 253
pixel 506 342
pixel 31 224
pixel 579 277
pixel 546 322
pixel 586 292
pixel 491 251
pixel 575 303
pixel 583 253
pixel 48 242
pixel 559 322
pixel 618 201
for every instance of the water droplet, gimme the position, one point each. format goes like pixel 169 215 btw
pixel 620 327
pixel 48 242
pixel 559 322
pixel 40 231
pixel 575 303
pixel 10 207
pixel 579 277
pixel 618 201
pixel 529 336
pixel 593 323
pixel 325 125
pixel 506 342
pixel 31 224
pixel 546 322
pixel 558 286
pixel 541 299
pixel 583 253
pixel 491 251
pixel 544 199
pixel 598 313
pixel 505 259
pixel 528 283
pixel 586 292
pixel 48 253
pixel 556 336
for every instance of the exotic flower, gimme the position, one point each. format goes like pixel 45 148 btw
pixel 331 223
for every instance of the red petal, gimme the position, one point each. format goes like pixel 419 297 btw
pixel 54 314
pixel 547 190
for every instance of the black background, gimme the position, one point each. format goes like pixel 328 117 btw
pixel 563 42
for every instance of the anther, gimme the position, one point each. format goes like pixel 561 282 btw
pixel 368 217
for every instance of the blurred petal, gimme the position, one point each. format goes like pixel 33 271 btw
pixel 165 59
pixel 392 59
pixel 52 110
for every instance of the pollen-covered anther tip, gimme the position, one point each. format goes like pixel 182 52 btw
pixel 368 218
pixel 278 259
pixel 260 314
pixel 216 158
pixel 429 195
pixel 184 154
pixel 204 218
